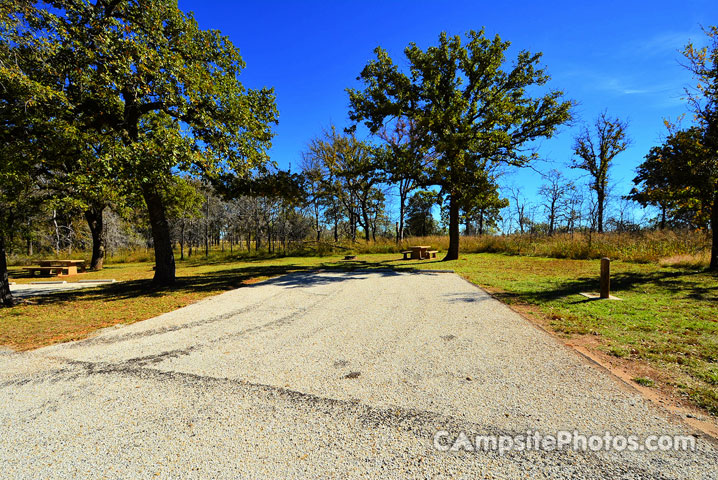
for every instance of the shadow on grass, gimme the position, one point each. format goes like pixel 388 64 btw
pixel 222 280
pixel 695 285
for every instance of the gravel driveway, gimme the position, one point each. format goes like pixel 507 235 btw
pixel 325 375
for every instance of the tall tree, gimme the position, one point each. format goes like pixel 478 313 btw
pixel 419 220
pixel 656 182
pixel 402 162
pixel 520 204
pixel 481 202
pixel 30 120
pixel 688 176
pixel 184 203
pixel 485 211
pixel 353 174
pixel 595 152
pixel 84 182
pixel 316 187
pixel 703 64
pixel 465 107
pixel 144 71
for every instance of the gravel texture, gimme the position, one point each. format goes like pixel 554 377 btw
pixel 323 375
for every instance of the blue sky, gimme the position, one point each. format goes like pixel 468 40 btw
pixel 622 57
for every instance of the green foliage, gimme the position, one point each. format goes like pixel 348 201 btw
pixel 419 220
pixel 644 381
pixel 137 92
pixel 29 107
pixel 465 109
pixel 703 64
pixel 680 177
pixel 145 71
pixel 183 199
pixel 345 172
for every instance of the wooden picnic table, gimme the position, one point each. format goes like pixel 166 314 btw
pixel 57 267
pixel 419 252
pixel 62 263
pixel 422 252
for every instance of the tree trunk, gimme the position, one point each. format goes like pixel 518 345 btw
pixel 57 233
pixel 600 199
pixel 316 223
pixel 367 233
pixel 164 256
pixel 93 215
pixel 29 238
pixel 6 298
pixel 453 252
pixel 182 227
pixel 714 227
pixel 402 208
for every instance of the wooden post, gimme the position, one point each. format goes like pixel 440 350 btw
pixel 605 277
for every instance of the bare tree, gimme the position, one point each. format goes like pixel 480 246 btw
pixel 595 151
pixel 553 192
pixel 572 210
pixel 519 202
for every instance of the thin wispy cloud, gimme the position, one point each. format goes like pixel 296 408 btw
pixel 662 44
pixel 618 84
pixel 621 86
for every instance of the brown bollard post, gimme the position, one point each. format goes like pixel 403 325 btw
pixel 605 277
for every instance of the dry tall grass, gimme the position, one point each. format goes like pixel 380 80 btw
pixel 670 247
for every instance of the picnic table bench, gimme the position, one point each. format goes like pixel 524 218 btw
pixel 57 267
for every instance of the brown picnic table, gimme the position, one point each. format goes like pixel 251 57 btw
pixel 420 252
pixel 57 267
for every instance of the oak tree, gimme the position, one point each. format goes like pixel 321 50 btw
pixel 703 64
pixel 466 108
pixel 145 72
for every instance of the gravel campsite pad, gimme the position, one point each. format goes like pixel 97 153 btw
pixel 325 375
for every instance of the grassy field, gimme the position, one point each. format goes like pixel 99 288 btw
pixel 668 318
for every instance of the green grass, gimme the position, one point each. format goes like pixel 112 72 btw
pixel 645 382
pixel 668 318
